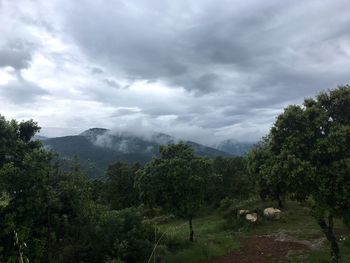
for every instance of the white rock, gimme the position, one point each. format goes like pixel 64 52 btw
pixel 253 217
pixel 243 212
pixel 272 213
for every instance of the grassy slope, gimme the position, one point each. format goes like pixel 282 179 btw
pixel 213 239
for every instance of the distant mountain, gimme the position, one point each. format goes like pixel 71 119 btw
pixel 40 137
pixel 234 147
pixel 126 142
pixel 99 147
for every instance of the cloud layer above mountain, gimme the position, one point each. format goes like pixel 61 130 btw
pixel 201 70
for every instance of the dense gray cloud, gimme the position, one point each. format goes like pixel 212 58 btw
pixel 204 70
pixel 21 92
pixel 196 45
pixel 96 70
pixel 112 83
pixel 18 59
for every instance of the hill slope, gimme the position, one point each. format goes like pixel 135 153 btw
pixel 100 147
pixel 234 147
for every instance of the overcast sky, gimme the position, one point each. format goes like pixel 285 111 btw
pixel 200 70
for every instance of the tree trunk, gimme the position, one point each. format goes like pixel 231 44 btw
pixel 329 233
pixel 280 202
pixel 19 248
pixel 191 229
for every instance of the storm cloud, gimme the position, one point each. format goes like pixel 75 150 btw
pixel 22 92
pixel 202 70
pixel 17 59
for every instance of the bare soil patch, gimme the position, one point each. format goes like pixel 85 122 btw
pixel 262 249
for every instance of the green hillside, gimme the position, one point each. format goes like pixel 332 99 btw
pixel 96 148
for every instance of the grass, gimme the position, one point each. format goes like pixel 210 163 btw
pixel 296 221
pixel 213 239
pixel 321 256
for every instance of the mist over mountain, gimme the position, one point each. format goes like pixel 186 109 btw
pixel 127 142
pixel 234 147
pixel 98 147
pixel 40 137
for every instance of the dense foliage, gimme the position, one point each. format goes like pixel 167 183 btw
pixel 118 189
pixel 307 155
pixel 234 180
pixel 48 215
pixel 51 212
pixel 176 181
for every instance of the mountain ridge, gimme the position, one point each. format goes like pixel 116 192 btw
pixel 98 147
pixel 234 147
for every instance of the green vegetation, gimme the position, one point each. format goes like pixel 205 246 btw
pixel 49 215
pixel 215 236
pixel 175 182
pixel 212 239
pixel 98 148
pixel 230 180
pixel 307 155
pixel 52 212
pixel 120 176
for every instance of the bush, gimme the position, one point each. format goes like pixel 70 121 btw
pixel 346 241
pixel 227 203
pixel 233 221
pixel 124 236
pixel 163 219
pixel 230 208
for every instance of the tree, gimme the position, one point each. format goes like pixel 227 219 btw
pixel 48 213
pixel 24 169
pixel 309 147
pixel 269 177
pixel 235 180
pixel 72 216
pixel 122 235
pixel 175 181
pixel 15 140
pixel 119 186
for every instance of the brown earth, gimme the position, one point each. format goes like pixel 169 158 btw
pixel 261 249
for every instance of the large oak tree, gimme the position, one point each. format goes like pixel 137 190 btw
pixel 175 181
pixel 307 155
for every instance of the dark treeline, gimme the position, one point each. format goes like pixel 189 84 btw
pixel 52 213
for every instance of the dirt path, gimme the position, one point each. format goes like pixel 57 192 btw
pixel 262 249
